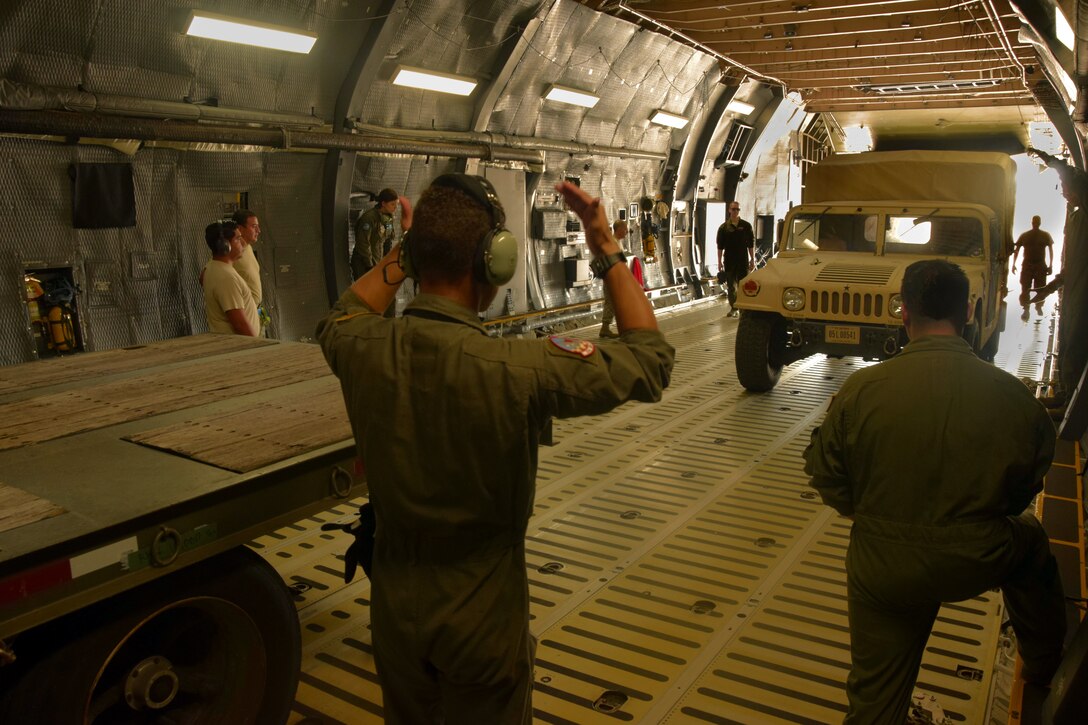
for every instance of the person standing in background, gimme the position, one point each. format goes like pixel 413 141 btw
pixel 608 314
pixel 228 301
pixel 736 252
pixel 247 265
pixel 374 234
pixel 1038 249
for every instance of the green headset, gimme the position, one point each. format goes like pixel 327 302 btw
pixel 222 244
pixel 496 257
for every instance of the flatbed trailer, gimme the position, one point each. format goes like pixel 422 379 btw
pixel 130 481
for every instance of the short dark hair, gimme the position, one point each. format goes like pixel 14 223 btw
pixel 386 195
pixel 218 232
pixel 937 290
pixel 447 225
pixel 242 217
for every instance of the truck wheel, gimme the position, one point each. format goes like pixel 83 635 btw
pixel 217 643
pixel 989 350
pixel 760 350
pixel 970 334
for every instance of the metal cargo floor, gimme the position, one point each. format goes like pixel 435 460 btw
pixel 680 569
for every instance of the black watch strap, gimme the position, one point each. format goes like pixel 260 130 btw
pixel 601 265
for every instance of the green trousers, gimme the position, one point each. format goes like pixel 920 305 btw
pixel 897 580
pixel 451 641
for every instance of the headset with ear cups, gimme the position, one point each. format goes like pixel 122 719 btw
pixel 215 236
pixel 222 247
pixel 496 256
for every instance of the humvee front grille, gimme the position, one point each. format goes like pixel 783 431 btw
pixel 856 274
pixel 847 303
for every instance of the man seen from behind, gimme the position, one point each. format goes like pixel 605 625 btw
pixel 447 420
pixel 1038 249
pixel 935 455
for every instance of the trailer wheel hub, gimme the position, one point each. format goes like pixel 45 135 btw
pixel 151 685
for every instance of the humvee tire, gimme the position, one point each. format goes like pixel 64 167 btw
pixel 970 334
pixel 989 350
pixel 760 350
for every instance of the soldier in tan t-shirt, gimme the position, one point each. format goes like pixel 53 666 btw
pixel 228 301
pixel 247 265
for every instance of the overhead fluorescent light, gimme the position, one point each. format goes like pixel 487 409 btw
pixel 740 107
pixel 247 32
pixel 1062 30
pixel 669 119
pixel 429 80
pixel 569 95
pixel 966 84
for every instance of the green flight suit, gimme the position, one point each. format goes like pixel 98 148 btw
pixel 447 421
pixel 936 454
pixel 373 240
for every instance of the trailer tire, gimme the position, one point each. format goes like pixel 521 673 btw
pixel 215 643
pixel 760 350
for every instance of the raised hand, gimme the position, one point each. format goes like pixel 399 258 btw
pixel 589 210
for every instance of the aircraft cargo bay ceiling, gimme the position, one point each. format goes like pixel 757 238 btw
pixel 917 73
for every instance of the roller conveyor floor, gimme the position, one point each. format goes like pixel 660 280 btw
pixel 680 568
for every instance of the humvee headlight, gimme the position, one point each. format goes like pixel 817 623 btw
pixel 895 306
pixel 793 299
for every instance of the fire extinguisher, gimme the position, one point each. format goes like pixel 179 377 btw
pixel 62 335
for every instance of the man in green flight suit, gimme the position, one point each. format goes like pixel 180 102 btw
pixel 935 455
pixel 374 233
pixel 447 420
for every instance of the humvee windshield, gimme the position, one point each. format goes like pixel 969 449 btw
pixel 833 233
pixel 929 234
pixel 938 236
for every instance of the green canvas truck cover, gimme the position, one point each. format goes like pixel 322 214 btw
pixel 976 177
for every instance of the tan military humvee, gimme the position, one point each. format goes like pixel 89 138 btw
pixel 834 286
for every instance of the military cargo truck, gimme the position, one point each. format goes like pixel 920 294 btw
pixel 834 286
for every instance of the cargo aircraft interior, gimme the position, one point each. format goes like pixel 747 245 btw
pixel 174 502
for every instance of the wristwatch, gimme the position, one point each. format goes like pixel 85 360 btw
pixel 601 265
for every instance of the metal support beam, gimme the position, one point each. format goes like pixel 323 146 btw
pixel 485 105
pixel 84 125
pixel 698 141
pixel 340 164
pixel 766 113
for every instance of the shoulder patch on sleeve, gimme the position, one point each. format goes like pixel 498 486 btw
pixel 365 226
pixel 582 348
